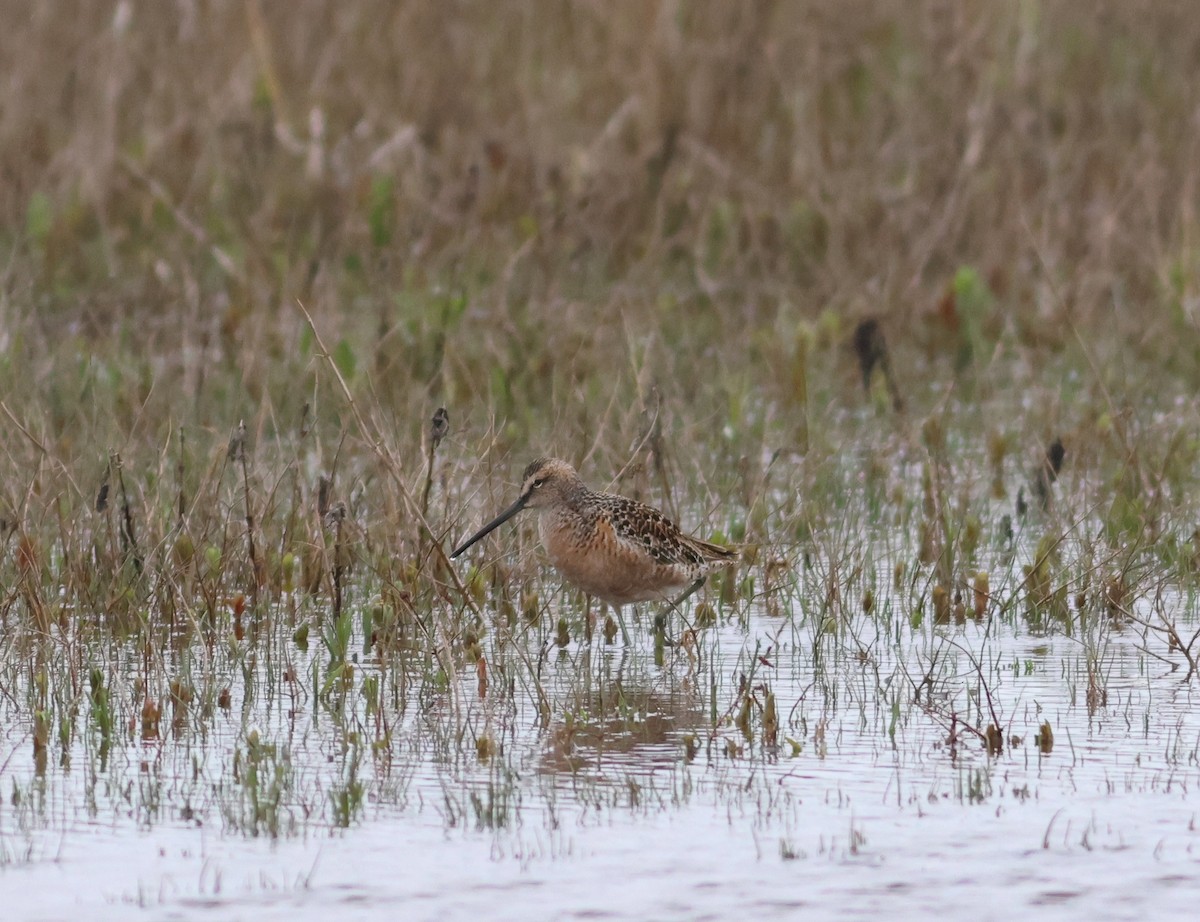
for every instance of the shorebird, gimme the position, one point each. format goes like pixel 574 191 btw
pixel 612 547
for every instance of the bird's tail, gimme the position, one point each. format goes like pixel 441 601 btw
pixel 715 551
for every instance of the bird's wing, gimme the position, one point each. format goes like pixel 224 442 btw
pixel 651 531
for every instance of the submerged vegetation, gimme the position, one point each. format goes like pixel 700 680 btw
pixel 901 299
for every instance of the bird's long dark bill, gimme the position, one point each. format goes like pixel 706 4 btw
pixel 493 524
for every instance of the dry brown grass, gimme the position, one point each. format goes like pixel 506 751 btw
pixel 817 153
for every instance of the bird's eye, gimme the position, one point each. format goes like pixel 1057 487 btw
pixel 539 482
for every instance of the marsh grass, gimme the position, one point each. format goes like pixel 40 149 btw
pixel 289 299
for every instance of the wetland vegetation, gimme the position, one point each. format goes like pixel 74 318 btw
pixel 901 299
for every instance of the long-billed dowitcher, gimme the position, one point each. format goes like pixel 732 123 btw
pixel 612 547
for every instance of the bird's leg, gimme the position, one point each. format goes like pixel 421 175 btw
pixel 660 620
pixel 624 630
pixel 688 592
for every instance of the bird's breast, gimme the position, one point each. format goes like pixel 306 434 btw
pixel 589 553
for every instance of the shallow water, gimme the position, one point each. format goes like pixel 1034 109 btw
pixel 628 804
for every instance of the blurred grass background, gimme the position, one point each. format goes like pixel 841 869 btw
pixel 572 223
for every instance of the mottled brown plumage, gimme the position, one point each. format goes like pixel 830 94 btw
pixel 610 546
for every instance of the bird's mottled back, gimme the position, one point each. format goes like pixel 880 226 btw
pixel 653 531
